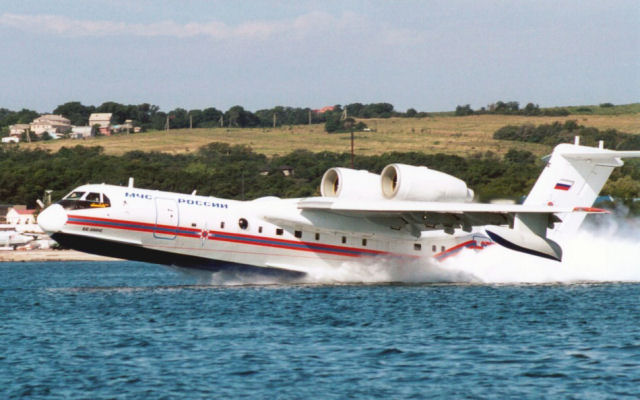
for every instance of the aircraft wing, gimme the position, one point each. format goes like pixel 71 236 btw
pixel 435 214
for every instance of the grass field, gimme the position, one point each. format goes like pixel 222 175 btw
pixel 438 134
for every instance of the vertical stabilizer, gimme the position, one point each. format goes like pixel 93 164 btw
pixel 573 177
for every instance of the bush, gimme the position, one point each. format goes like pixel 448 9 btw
pixel 584 110
pixel 555 133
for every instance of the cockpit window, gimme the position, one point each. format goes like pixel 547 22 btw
pixel 74 195
pixel 78 201
pixel 93 197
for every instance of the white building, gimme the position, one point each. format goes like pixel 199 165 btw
pixel 11 139
pixel 80 132
pixel 101 119
pixel 50 123
pixel 20 217
pixel 18 129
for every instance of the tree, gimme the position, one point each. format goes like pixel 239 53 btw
pixel 531 109
pixel 464 110
pixel 623 188
pixel 237 116
pixel 119 111
pixel 77 113
pixel 519 157
pixel 332 124
pixel 179 118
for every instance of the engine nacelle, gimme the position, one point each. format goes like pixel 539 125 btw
pixel 351 184
pixel 407 182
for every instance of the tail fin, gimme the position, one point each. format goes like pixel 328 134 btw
pixel 573 177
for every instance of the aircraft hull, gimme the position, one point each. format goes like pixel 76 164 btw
pixel 135 253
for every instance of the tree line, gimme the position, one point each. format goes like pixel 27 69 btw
pixel 512 108
pixel 336 118
pixel 150 116
pixel 559 132
pixel 624 182
pixel 237 172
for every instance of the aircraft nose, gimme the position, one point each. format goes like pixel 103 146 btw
pixel 52 219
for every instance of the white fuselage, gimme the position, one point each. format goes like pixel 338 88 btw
pixel 170 225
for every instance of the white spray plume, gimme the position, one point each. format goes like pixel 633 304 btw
pixel 606 252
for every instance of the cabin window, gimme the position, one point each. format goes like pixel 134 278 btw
pixel 279 231
pixel 259 229
pixel 434 248
pixel 364 242
pixel 193 225
pixel 243 223
pixel 298 234
pixel 417 246
pixel 344 239
pixel 222 225
pixel 317 236
pixel 442 248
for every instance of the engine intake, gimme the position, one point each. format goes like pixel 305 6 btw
pixel 351 184
pixel 407 182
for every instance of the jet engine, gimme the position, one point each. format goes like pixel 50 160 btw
pixel 351 184
pixel 407 182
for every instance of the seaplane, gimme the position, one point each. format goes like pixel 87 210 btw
pixel 404 213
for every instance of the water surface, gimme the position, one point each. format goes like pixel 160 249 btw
pixel 132 330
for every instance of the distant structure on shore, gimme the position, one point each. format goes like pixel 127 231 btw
pixel 57 126
pixel 19 215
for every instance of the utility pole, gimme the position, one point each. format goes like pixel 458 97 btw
pixel 222 121
pixel 166 125
pixel 309 116
pixel 274 120
pixel 190 121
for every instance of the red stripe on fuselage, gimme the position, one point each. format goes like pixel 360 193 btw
pixel 241 239
pixel 281 243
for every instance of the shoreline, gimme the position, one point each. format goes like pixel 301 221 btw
pixel 50 255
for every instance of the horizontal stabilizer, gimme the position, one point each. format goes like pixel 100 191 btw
pixel 601 156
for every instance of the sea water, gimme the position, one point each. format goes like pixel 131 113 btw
pixel 132 330
pixel 493 324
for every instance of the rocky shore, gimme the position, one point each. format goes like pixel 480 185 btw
pixel 49 255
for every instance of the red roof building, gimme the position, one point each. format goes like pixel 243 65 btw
pixel 324 109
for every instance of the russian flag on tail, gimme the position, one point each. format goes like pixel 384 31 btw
pixel 563 184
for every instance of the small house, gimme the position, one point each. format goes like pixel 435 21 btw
pixel 18 216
